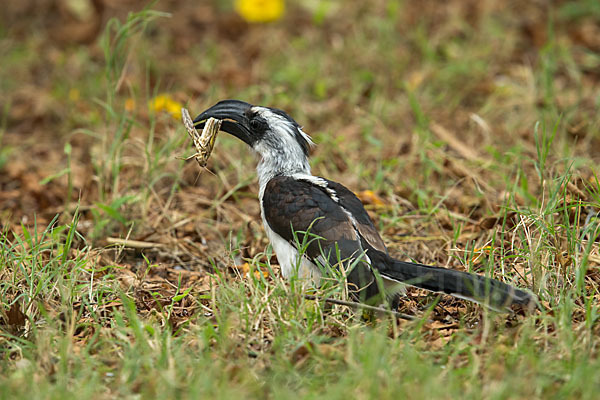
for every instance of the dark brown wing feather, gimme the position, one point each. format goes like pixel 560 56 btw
pixel 365 226
pixel 307 215
pixel 293 205
pixel 302 208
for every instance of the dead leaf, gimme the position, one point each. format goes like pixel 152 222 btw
pixel 478 253
pixel 370 197
pixel 490 222
pixel 300 355
pixel 245 268
pixel 15 319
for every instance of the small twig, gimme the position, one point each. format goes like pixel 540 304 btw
pixel 136 244
pixel 455 143
pixel 362 306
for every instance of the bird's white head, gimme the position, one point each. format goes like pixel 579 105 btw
pixel 271 132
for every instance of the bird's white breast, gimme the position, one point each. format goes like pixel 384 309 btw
pixel 291 263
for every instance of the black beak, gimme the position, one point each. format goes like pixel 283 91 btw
pixel 233 113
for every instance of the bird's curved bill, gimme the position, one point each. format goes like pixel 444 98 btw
pixel 234 117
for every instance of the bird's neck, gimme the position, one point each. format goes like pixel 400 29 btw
pixel 282 162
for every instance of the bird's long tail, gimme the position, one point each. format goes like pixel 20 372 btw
pixel 480 289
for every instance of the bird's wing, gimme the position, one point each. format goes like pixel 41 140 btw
pixel 331 214
pixel 311 216
pixel 354 206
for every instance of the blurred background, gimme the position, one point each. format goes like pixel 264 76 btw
pixel 435 112
pixel 468 128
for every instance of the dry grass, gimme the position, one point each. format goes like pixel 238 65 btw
pixel 470 129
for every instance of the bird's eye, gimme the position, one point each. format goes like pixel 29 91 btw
pixel 257 125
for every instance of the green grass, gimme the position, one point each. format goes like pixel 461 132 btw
pixel 86 164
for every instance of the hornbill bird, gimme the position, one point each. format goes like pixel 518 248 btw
pixel 314 223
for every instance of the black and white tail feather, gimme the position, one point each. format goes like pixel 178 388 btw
pixel 294 201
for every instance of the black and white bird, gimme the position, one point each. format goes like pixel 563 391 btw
pixel 329 222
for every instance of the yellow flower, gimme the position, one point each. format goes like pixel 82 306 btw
pixel 164 102
pixel 130 104
pixel 74 94
pixel 479 252
pixel 370 197
pixel 260 10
